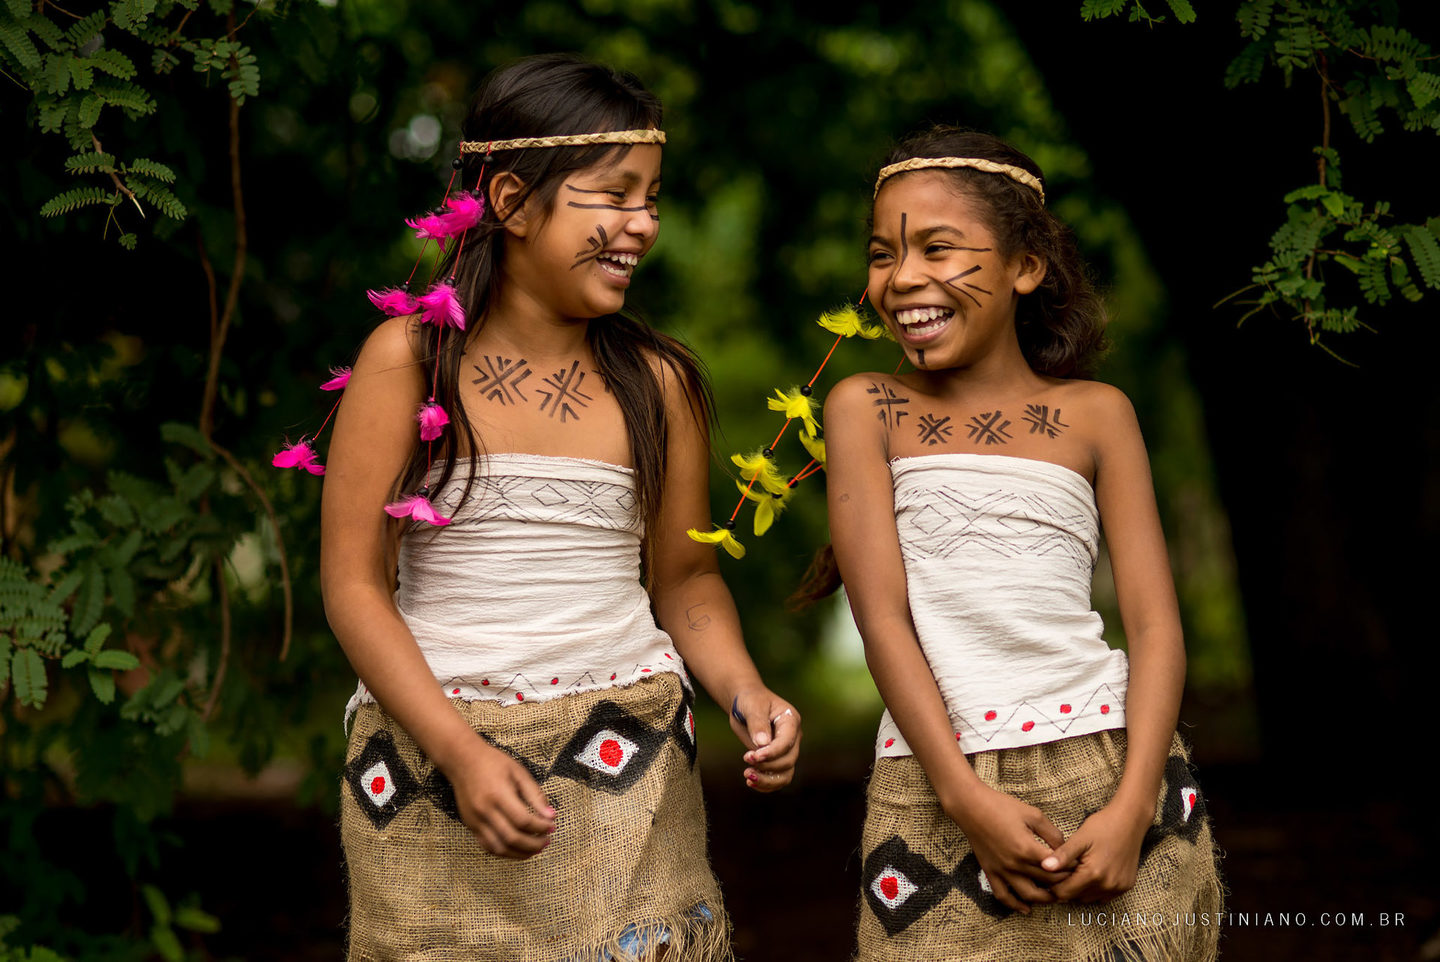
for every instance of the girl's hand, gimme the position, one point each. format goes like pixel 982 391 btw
pixel 1102 856
pixel 769 727
pixel 1002 830
pixel 501 803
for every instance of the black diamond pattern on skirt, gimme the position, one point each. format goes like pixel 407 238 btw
pixel 610 751
pixel 899 885
pixel 379 780
pixel 683 727
pixel 967 880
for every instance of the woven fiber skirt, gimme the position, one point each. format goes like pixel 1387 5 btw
pixel 925 898
pixel 624 877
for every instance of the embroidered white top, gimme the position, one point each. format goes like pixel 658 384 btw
pixel 999 554
pixel 533 590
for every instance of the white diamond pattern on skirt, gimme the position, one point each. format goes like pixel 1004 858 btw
pixel 607 751
pixel 1188 795
pixel 892 887
pixel 379 786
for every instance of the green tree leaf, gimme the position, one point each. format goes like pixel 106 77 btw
pixel 27 674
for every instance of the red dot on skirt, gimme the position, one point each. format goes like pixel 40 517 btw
pixel 1027 726
pixel 957 736
pixel 890 885
pixel 519 696
pixel 889 742
pixel 612 676
pixel 485 682
pixel 644 670
pixel 610 752
pixel 1064 709
pixel 1104 709
pixel 668 655
pixel 989 716
pixel 377 785
pixel 554 681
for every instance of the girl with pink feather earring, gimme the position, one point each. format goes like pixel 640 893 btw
pixel 520 778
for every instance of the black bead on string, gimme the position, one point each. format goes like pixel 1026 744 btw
pixel 806 390
pixel 456 164
pixel 767 452
pixel 730 525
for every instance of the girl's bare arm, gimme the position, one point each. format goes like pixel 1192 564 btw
pixel 694 606
pixel 1106 860
pixel 375 431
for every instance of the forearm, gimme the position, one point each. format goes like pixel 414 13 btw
pixel 699 614
pixel 908 687
pixel 1152 707
pixel 385 655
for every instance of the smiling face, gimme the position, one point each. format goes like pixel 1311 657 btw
pixel 577 258
pixel 937 276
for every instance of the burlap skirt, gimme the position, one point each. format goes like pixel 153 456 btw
pixel 626 872
pixel 925 898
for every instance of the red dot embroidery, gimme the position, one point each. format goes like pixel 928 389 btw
pixel 485 682
pixel 612 676
pixel 377 785
pixel 519 696
pixel 889 742
pixel 454 691
pixel 667 655
pixel 989 716
pixel 554 681
pixel 1192 799
pixel 1027 726
pixel 1104 709
pixel 1064 709
pixel 644 670
pixel 957 736
pixel 890 885
pixel 610 752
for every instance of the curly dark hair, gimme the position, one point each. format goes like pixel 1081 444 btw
pixel 1062 323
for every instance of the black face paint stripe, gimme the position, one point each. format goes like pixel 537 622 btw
pixel 904 241
pixel 628 210
pixel 965 273
pixel 593 251
pixel 977 287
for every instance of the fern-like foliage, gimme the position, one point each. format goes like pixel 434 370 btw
pixel 79 197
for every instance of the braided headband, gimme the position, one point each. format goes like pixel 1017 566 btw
pixel 647 136
pixel 1017 174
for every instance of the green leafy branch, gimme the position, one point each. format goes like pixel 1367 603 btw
pixel 77 73
pixel 1368 71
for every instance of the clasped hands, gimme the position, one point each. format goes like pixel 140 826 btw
pixel 1027 860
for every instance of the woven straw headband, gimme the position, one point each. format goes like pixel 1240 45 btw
pixel 1017 174
pixel 648 136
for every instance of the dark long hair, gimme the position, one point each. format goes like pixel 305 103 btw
pixel 554 95
pixel 1061 324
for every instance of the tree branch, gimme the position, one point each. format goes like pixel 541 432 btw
pixel 223 593
pixel 285 585
pixel 237 271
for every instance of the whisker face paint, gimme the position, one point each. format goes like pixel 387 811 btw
pixel 596 245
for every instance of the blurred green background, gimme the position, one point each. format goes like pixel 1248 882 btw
pixel 1295 490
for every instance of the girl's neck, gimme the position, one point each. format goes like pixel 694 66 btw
pixel 522 325
pixel 999 373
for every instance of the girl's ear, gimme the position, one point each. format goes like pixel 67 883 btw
pixel 1032 273
pixel 506 189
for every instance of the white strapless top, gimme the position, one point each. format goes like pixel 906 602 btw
pixel 999 555
pixel 533 590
